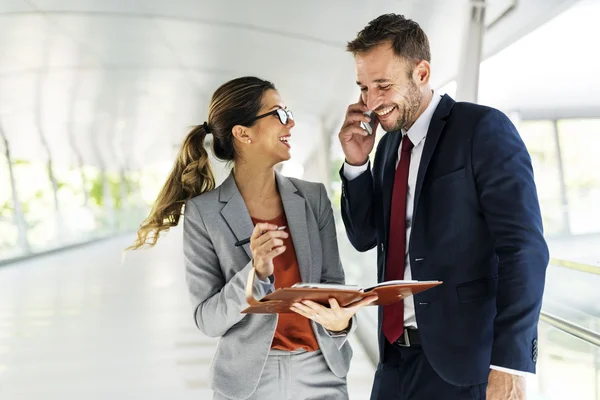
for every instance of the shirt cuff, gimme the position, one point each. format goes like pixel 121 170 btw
pixel 353 171
pixel 263 288
pixel 341 333
pixel 339 338
pixel 510 371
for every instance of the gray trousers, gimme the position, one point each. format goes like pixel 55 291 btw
pixel 297 376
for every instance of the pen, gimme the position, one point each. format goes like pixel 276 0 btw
pixel 247 240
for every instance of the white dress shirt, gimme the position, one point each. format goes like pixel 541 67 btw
pixel 417 135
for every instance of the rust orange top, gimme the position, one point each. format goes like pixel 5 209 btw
pixel 293 330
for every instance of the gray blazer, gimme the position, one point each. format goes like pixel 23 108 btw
pixel 217 271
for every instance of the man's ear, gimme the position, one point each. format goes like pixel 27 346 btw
pixel 422 72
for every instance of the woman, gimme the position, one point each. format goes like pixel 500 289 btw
pixel 260 356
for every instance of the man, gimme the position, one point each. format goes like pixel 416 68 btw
pixel 451 197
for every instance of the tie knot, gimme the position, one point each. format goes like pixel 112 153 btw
pixel 407 145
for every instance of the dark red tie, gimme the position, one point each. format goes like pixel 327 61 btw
pixel 393 315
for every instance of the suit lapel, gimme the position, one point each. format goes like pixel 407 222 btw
pixel 294 206
pixel 389 173
pixel 235 212
pixel 438 121
pixel 238 218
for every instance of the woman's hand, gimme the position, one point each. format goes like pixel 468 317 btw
pixel 266 243
pixel 333 318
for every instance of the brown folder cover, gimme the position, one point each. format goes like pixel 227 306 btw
pixel 280 300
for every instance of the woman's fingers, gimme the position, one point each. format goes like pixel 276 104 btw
pixel 334 314
pixel 354 307
pixel 270 249
pixel 270 235
pixel 274 253
pixel 364 302
pixel 315 307
pixel 303 310
pixel 334 306
pixel 260 228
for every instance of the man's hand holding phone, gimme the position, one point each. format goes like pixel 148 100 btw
pixel 357 142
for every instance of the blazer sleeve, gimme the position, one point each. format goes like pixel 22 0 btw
pixel 357 210
pixel 508 199
pixel 332 271
pixel 217 304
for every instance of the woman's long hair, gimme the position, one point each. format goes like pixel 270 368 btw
pixel 236 102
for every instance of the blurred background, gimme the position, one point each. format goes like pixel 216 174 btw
pixel 96 96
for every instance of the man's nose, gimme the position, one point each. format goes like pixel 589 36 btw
pixel 373 101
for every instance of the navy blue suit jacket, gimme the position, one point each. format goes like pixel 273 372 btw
pixel 476 226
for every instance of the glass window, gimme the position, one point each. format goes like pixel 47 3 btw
pixel 580 141
pixel 540 140
pixel 8 229
pixel 37 199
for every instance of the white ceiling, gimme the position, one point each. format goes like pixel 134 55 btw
pixel 120 81
pixel 553 72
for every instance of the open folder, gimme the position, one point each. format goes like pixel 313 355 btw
pixel 281 299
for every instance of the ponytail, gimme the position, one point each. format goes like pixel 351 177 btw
pixel 191 176
pixel 236 102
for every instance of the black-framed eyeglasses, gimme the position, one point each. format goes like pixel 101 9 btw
pixel 283 114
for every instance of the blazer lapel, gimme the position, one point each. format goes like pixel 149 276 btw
pixel 438 121
pixel 235 212
pixel 294 206
pixel 389 174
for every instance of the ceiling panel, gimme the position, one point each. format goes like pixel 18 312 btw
pixel 121 81
pixel 117 41
pixel 113 6
pixel 330 22
pixel 31 41
pixel 10 6
pixel 22 42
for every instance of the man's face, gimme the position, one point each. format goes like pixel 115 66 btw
pixel 388 87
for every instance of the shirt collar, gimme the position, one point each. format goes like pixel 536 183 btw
pixel 418 130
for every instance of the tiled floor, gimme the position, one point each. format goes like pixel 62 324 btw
pixel 84 325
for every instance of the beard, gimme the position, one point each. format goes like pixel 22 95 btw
pixel 408 110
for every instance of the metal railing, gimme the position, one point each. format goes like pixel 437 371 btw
pixel 591 269
pixel 571 328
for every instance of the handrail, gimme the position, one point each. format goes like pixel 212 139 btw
pixel 575 265
pixel 571 328
pixel 66 247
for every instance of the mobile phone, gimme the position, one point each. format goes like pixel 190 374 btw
pixel 368 126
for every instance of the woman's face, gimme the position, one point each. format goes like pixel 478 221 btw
pixel 271 133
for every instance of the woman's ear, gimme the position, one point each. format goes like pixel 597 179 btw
pixel 241 133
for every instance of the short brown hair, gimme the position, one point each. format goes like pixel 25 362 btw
pixel 407 38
